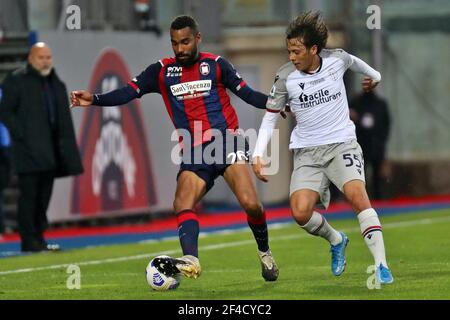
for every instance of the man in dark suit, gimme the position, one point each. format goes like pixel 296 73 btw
pixel 5 169
pixel 35 108
pixel 370 114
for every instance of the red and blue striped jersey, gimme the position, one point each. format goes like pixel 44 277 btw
pixel 195 94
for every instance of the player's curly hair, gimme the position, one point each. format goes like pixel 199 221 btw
pixel 309 27
pixel 184 21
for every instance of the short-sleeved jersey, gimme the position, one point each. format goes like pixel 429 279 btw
pixel 318 101
pixel 195 96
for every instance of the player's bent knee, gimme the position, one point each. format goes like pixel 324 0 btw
pixel 302 214
pixel 302 207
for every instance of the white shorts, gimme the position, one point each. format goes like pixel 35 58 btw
pixel 316 167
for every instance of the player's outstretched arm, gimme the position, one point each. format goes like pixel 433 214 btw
pixel 265 133
pixel 116 97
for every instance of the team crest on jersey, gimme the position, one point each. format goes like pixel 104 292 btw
pixel 333 74
pixel 204 68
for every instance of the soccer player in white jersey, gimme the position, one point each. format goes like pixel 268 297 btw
pixel 323 141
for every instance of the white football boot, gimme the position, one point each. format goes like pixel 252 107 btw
pixel 268 266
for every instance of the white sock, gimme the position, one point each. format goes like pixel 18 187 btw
pixel 371 231
pixel 318 226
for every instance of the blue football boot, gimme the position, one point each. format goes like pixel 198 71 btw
pixel 384 275
pixel 338 261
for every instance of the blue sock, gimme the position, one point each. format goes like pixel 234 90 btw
pixel 188 230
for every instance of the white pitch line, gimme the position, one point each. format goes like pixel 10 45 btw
pixel 391 225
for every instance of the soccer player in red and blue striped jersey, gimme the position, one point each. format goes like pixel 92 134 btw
pixel 193 86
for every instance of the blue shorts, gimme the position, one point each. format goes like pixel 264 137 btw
pixel 212 158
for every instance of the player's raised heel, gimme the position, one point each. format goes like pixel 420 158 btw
pixel 338 260
pixel 384 275
pixel 268 266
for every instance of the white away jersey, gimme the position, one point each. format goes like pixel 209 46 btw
pixel 318 101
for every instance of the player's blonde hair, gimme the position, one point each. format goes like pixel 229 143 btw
pixel 309 27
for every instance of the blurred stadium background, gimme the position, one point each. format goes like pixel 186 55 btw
pixel 411 50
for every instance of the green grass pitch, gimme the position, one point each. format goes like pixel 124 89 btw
pixel 417 247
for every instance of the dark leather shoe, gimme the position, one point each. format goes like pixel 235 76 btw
pixel 39 247
pixel 30 247
pixel 50 247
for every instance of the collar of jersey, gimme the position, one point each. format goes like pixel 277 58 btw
pixel 318 70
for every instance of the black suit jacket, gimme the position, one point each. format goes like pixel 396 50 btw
pixel 372 139
pixel 36 147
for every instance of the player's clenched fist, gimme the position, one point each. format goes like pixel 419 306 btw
pixel 81 98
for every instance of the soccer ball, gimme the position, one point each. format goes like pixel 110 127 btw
pixel 158 280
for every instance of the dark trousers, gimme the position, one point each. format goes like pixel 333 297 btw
pixel 2 215
pixel 376 182
pixel 35 192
